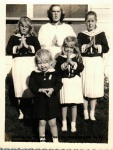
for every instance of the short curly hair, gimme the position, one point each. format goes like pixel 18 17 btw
pixel 49 12
pixel 43 54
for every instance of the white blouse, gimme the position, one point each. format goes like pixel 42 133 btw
pixel 51 37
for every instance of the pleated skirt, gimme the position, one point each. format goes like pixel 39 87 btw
pixel 71 91
pixel 21 70
pixel 93 77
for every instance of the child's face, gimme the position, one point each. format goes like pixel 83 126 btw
pixel 91 22
pixel 24 28
pixel 68 49
pixel 44 65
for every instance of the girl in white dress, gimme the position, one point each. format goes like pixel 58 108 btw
pixel 69 64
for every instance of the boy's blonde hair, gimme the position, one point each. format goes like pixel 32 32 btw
pixel 43 54
pixel 28 21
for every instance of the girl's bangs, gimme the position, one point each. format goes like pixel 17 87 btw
pixel 25 22
pixel 44 58
pixel 70 44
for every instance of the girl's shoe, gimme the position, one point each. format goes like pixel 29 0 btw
pixel 42 139
pixel 64 125
pixel 21 116
pixel 92 115
pixel 86 115
pixel 73 127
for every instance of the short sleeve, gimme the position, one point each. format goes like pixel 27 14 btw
pixel 36 44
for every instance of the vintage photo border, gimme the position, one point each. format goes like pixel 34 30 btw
pixel 31 145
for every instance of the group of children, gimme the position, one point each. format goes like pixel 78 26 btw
pixel 77 77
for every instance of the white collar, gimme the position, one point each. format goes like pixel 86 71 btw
pixel 49 70
pixel 57 24
pixel 19 35
pixel 71 56
pixel 92 33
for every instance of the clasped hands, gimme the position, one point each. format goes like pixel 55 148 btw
pixel 47 91
pixel 23 43
pixel 70 62
pixel 55 41
pixel 92 43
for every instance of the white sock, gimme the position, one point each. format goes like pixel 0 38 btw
pixel 55 140
pixel 86 115
pixel 73 126
pixel 21 116
pixel 64 125
pixel 92 115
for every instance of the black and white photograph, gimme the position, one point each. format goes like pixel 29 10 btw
pixel 57 76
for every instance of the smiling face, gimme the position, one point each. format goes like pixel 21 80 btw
pixel 68 49
pixel 56 14
pixel 91 22
pixel 24 28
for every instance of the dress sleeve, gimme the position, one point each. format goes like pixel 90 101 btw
pixel 36 44
pixel 42 37
pixel 79 37
pixel 58 83
pixel 58 65
pixel 104 43
pixel 9 47
pixel 80 66
pixel 32 84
